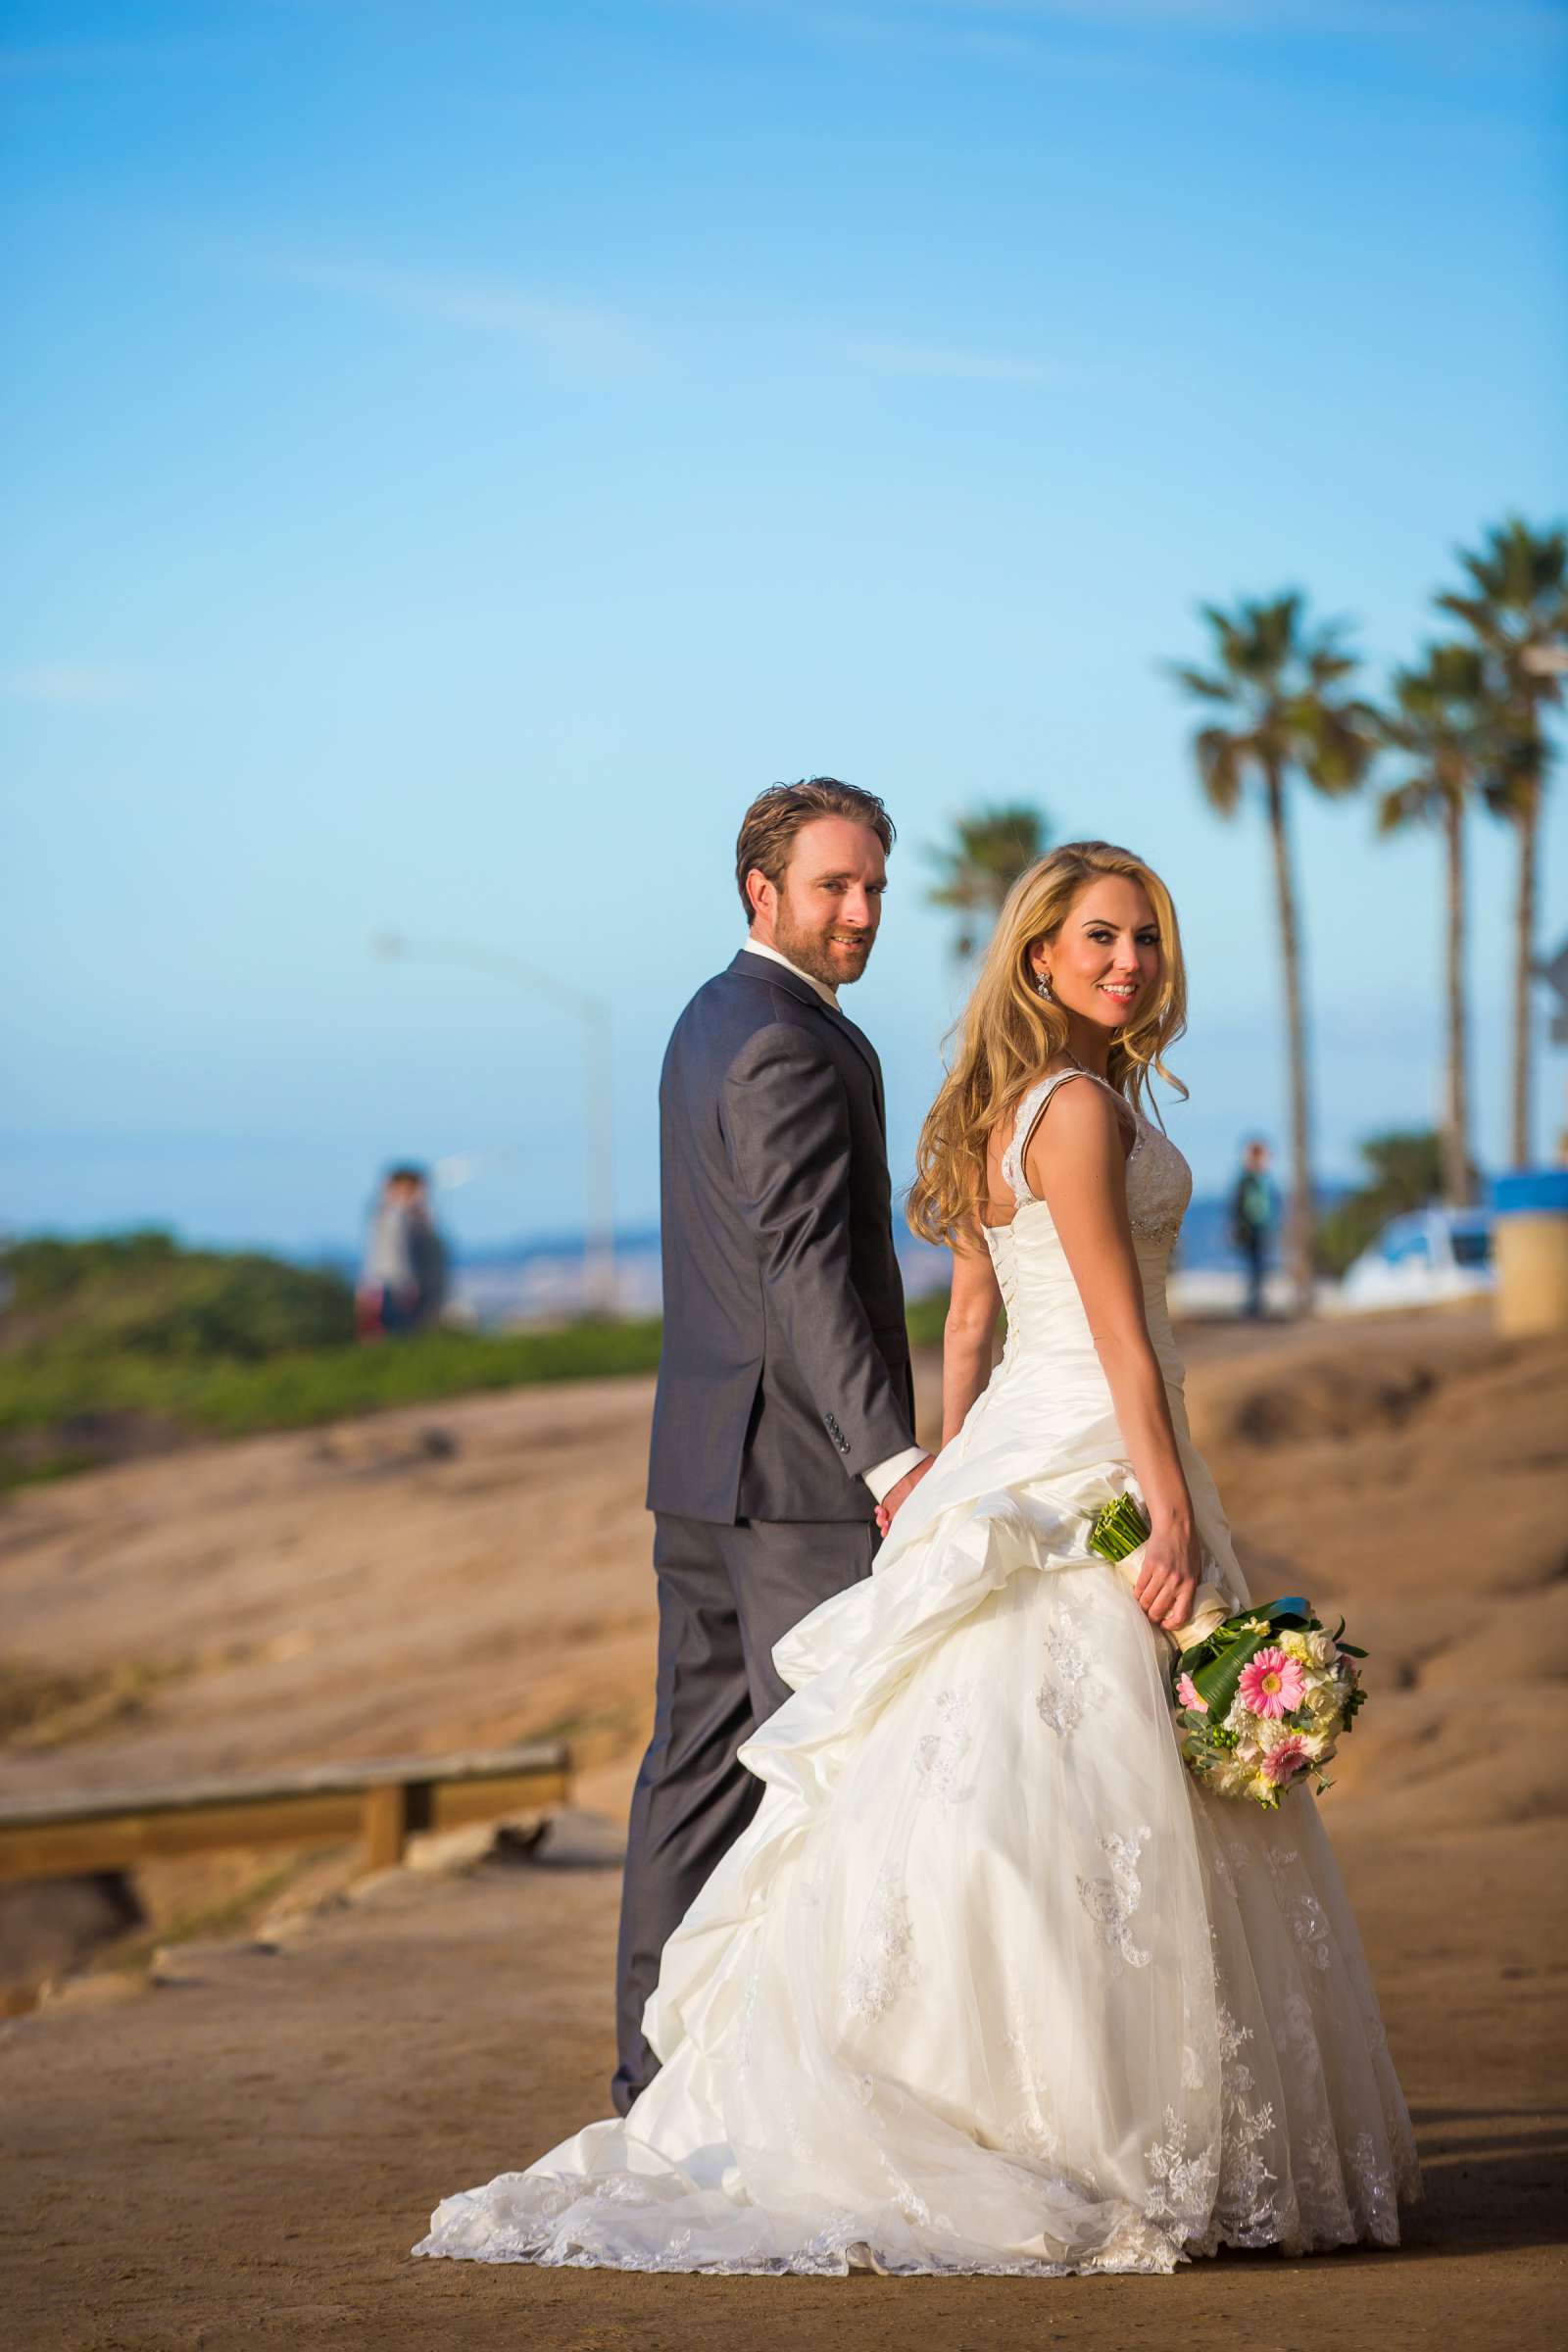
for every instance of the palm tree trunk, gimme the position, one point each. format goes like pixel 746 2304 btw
pixel 1301 1219
pixel 1529 823
pixel 1457 1119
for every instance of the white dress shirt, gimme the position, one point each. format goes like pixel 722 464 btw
pixel 884 1476
pixel 757 947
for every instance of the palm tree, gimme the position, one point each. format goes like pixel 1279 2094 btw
pixel 990 851
pixel 1279 682
pixel 1518 609
pixel 1444 721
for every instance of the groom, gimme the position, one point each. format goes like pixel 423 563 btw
pixel 785 1409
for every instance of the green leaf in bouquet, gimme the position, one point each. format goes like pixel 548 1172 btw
pixel 1234 1648
pixel 1217 1682
pixel 1291 1616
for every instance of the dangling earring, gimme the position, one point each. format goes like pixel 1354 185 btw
pixel 1043 984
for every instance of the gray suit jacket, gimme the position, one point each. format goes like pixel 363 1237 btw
pixel 784 1372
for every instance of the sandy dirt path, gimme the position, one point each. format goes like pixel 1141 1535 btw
pixel 244 2157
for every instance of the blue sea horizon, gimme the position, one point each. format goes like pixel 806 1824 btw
pixel 543 1277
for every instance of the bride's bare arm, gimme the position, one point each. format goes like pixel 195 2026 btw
pixel 968 1336
pixel 1077 1162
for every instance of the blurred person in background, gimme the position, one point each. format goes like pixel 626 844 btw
pixel 1255 1219
pixel 402 1282
pixel 428 1255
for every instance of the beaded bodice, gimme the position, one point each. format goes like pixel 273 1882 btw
pixel 1160 1182
pixel 1045 1313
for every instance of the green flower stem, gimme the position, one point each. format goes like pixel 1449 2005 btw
pixel 1118 1528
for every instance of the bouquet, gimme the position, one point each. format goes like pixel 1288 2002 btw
pixel 1263 1700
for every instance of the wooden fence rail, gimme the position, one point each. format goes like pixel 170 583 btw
pixel 381 1804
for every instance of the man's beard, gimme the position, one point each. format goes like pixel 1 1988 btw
pixel 810 951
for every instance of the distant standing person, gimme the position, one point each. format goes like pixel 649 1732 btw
pixel 428 1253
pixel 403 1278
pixel 1255 1219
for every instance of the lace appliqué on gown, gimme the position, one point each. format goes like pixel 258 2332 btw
pixel 882 1965
pixel 1244 2215
pixel 939 1755
pixel 1068 1684
pixel 1184 2179
pixel 1111 1902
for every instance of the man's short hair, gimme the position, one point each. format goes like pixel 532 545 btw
pixel 771 822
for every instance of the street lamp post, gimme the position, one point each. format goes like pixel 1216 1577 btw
pixel 599 1188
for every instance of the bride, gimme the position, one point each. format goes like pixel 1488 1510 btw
pixel 990 1984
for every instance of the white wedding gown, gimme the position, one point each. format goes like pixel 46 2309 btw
pixel 989 1984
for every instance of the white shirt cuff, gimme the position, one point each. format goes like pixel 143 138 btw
pixel 886 1475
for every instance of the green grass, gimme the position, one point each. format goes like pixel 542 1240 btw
pixel 60 1413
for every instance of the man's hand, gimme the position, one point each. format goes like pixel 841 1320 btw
pixel 900 1495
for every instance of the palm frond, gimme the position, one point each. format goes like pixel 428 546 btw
pixel 1332 746
pixel 1403 804
pixel 990 849
pixel 1200 682
pixel 1222 759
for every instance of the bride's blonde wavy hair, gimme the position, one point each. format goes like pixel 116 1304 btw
pixel 1007 1031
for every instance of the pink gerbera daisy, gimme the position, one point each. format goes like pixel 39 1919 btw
pixel 1272 1684
pixel 1286 1758
pixel 1188 1693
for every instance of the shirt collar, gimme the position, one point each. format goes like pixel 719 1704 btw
pixel 829 996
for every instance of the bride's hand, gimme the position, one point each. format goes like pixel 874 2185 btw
pixel 1170 1575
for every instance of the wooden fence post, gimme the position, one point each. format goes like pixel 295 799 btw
pixel 385 1818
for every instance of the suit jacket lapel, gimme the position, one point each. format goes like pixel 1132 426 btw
pixel 778 975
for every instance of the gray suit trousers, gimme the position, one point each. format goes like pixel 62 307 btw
pixel 727 1594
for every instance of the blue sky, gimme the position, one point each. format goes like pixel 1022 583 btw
pixel 453 457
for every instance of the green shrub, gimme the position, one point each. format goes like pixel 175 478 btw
pixel 1405 1172
pixel 141 1294
pixel 927 1317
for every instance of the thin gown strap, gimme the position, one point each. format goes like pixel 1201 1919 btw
pixel 1027 1119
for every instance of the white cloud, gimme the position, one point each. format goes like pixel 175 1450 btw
pixel 81 685
pixel 584 337
pixel 975 367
